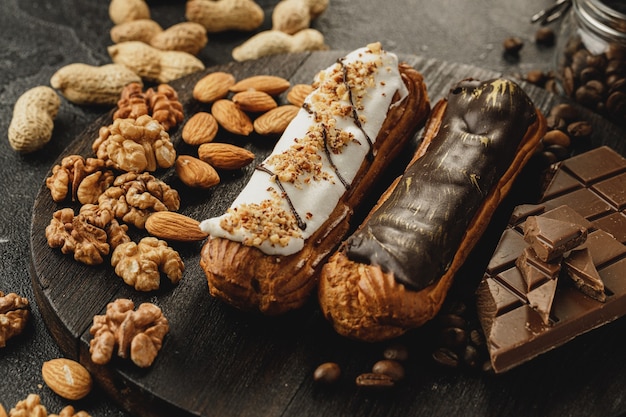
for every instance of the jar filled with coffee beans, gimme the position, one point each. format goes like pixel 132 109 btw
pixel 591 56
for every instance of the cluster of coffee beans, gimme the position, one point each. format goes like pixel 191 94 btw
pixel 385 373
pixel 567 129
pixel 596 81
pixel 460 342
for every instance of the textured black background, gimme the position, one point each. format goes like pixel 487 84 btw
pixel 39 36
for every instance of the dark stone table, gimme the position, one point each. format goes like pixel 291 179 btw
pixel 39 36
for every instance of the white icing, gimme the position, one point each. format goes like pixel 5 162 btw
pixel 320 197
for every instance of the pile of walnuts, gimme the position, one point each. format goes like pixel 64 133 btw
pixel 116 189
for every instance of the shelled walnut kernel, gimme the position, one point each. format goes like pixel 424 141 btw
pixel 14 314
pixel 128 332
pixel 140 264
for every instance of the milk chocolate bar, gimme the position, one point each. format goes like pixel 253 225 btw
pixel 587 190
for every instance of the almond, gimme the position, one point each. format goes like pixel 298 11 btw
pixel 270 84
pixel 196 173
pixel 3 412
pixel 200 128
pixel 224 155
pixel 169 225
pixel 67 378
pixel 298 93
pixel 254 101
pixel 231 117
pixel 213 86
pixel 274 122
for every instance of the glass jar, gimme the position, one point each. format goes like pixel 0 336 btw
pixel 591 56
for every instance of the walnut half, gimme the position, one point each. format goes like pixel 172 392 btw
pixel 14 314
pixel 140 264
pixel 135 145
pixel 137 333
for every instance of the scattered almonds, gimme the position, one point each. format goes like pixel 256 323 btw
pixel 224 155
pixel 196 173
pixel 270 84
pixel 67 378
pixel 169 225
pixel 200 128
pixel 231 118
pixel 275 121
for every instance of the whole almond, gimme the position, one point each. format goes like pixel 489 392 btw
pixel 169 225
pixel 67 378
pixel 213 86
pixel 225 155
pixel 196 173
pixel 274 122
pixel 231 117
pixel 270 84
pixel 254 101
pixel 298 93
pixel 200 128
pixel 3 412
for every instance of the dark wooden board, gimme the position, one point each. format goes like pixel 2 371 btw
pixel 217 361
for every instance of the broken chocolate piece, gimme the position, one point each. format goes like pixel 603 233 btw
pixel 515 332
pixel 580 268
pixel 534 270
pixel 540 299
pixel 551 238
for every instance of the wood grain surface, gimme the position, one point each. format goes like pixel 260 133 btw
pixel 217 361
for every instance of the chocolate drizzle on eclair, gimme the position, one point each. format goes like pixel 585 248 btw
pixel 416 232
pixel 263 168
pixel 355 114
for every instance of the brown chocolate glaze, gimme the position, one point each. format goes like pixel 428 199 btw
pixel 417 230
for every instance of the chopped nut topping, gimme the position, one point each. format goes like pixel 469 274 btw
pixel 265 221
pixel 340 93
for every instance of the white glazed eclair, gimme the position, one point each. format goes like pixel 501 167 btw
pixel 264 252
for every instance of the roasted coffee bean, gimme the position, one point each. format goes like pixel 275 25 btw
pixel 588 96
pixel 580 130
pixel 477 338
pixel 615 66
pixel 569 81
pixel 618 84
pixel 536 77
pixel 452 320
pixel 597 61
pixel 470 356
pixel 551 86
pixel 513 45
pixel 591 73
pixel 545 36
pixel 446 357
pixel 616 106
pixel 374 381
pixel 390 368
pixel 397 352
pixel 327 373
pixel 591 79
pixel 560 152
pixel 566 112
pixel 556 122
pixel 548 158
pixel 452 337
pixel 556 137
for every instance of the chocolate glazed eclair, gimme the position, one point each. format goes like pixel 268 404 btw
pixel 394 272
